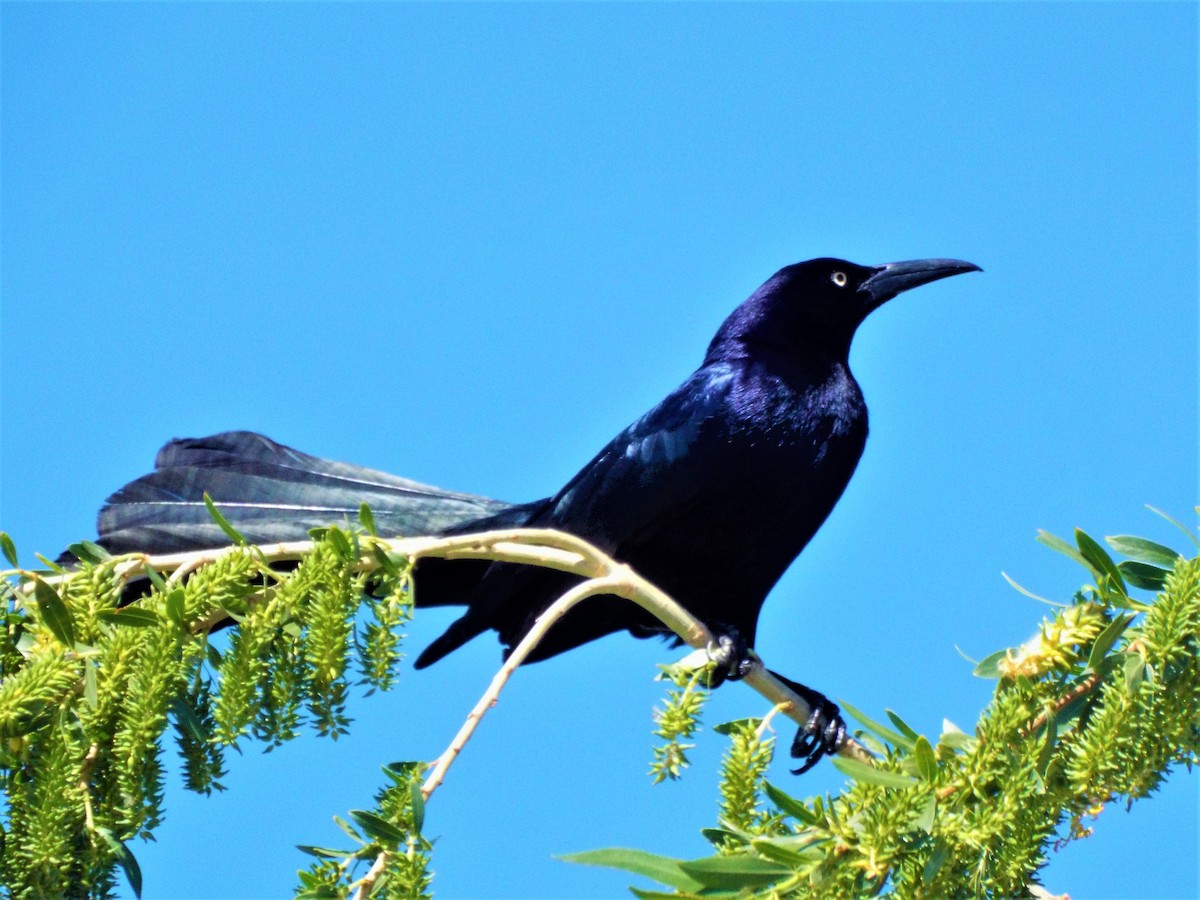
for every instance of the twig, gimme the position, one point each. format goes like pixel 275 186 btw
pixel 590 588
pixel 85 783
pixel 528 546
pixel 364 885
pixel 1086 686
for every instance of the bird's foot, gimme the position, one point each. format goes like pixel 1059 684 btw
pixel 823 734
pixel 731 659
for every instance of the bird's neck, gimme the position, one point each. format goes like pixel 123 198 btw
pixel 761 325
pixel 814 356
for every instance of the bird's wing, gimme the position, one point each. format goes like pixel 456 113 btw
pixel 652 470
pixel 642 479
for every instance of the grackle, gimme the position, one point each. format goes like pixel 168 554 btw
pixel 710 495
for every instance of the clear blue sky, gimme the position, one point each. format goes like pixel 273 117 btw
pixel 468 243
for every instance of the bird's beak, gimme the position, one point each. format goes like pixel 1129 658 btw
pixel 891 279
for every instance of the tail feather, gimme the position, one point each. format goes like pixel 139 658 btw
pixel 272 493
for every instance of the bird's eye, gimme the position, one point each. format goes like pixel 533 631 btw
pixel 838 278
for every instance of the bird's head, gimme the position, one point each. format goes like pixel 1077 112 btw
pixel 825 300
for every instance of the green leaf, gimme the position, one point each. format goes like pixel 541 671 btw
pixel 322 852
pixel 1100 561
pixel 90 692
pixel 125 859
pixel 341 545
pixel 182 710
pixel 719 837
pixel 367 519
pixel 1032 596
pixel 86 551
pixel 777 851
pixel 1186 531
pixel 156 579
pixel 789 805
pixel 738 834
pixel 213 655
pixel 130 615
pixel 1039 783
pixel 901 724
pixel 377 827
pixel 230 532
pixel 1058 544
pixel 54 613
pixel 1106 638
pixel 348 828
pixel 1143 575
pixel 175 605
pixel 936 859
pixel 417 800
pixel 734 872
pixel 404 771
pixel 662 869
pixel 925 817
pixel 868 774
pixel 9 549
pixel 882 731
pixel 728 728
pixel 1046 753
pixel 989 666
pixel 1143 550
pixel 1135 671
pixel 336 539
pixel 321 892
pixel 51 565
pixel 385 561
pixel 954 737
pixel 927 766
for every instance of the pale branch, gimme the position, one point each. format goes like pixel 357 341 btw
pixel 528 546
pixel 591 588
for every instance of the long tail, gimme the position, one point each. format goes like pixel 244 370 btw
pixel 271 493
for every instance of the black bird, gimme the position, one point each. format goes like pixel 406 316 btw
pixel 710 495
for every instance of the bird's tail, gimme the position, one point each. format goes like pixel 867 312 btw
pixel 271 493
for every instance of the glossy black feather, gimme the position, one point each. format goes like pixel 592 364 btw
pixel 270 493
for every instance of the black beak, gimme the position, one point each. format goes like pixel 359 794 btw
pixel 891 279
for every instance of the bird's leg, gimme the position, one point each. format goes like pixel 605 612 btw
pixel 824 732
pixel 731 658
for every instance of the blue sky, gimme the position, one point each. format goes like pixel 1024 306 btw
pixel 469 243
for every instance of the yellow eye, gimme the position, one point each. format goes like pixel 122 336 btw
pixel 838 278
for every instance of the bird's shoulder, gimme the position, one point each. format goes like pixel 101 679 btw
pixel 654 449
pixel 672 425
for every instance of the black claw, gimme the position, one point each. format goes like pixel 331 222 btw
pixel 731 658
pixel 821 736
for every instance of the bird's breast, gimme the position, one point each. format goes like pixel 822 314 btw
pixel 785 407
pixel 797 441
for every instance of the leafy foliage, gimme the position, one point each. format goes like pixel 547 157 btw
pixel 90 687
pixel 1095 708
pixel 678 719
pixel 389 837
